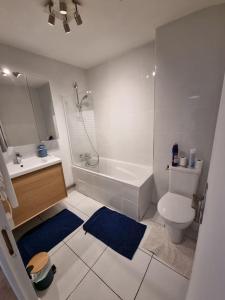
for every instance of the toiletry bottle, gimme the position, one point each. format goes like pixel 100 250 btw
pixel 175 157
pixel 42 150
pixel 192 158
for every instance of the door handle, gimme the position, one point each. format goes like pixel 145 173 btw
pixel 7 242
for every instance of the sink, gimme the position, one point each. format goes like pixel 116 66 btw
pixel 31 164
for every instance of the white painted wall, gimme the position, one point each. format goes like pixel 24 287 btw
pixel 61 77
pixel 123 95
pixel 190 62
pixel 207 280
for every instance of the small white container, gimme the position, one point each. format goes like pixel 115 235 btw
pixel 199 164
pixel 183 162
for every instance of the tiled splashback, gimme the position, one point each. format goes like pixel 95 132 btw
pixel 76 121
pixel 31 150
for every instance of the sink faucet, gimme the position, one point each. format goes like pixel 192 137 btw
pixel 18 158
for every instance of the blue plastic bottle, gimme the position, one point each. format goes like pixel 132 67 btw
pixel 175 157
pixel 42 150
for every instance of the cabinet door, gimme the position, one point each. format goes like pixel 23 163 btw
pixel 37 191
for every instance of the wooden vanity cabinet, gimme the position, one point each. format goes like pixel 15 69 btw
pixel 38 191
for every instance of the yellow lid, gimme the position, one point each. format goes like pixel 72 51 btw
pixel 39 261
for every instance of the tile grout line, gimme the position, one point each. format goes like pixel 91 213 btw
pixel 160 261
pixel 148 253
pixel 77 255
pixel 73 206
pixel 169 267
pixel 77 230
pixel 107 285
pixel 90 269
pixel 143 278
pixel 77 285
pixel 56 249
pixel 99 257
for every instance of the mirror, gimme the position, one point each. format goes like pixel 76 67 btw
pixel 26 110
pixel 44 115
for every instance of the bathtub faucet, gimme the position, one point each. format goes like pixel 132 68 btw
pixel 85 157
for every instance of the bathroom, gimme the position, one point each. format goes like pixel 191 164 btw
pixel 117 96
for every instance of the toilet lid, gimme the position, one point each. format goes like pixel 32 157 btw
pixel 176 208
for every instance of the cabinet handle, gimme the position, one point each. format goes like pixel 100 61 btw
pixel 7 242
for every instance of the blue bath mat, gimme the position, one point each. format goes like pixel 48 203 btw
pixel 116 230
pixel 48 234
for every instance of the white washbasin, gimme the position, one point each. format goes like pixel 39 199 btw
pixel 31 164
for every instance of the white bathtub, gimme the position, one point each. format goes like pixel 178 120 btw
pixel 124 186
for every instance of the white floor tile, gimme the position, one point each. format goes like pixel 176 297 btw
pixel 70 271
pixel 162 283
pixel 74 198
pixel 147 231
pixel 58 208
pixel 124 276
pixel 87 247
pixel 152 215
pixel 88 206
pixel 93 288
pixel 56 248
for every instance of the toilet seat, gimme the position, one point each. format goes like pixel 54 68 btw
pixel 176 208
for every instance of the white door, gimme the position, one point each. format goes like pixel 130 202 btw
pixel 10 259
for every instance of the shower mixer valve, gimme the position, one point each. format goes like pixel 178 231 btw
pixel 85 156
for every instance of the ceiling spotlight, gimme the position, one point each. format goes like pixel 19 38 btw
pixel 51 17
pixel 77 16
pixel 17 74
pixel 5 72
pixel 66 26
pixel 62 8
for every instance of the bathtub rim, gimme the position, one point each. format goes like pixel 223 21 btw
pixel 136 183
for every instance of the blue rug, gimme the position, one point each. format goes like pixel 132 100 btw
pixel 48 234
pixel 116 230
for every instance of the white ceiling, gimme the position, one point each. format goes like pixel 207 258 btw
pixel 110 27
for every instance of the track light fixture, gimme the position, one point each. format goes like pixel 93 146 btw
pixel 66 26
pixel 7 73
pixel 62 7
pixel 65 11
pixel 77 16
pixel 51 20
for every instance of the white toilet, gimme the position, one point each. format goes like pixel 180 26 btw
pixel 175 206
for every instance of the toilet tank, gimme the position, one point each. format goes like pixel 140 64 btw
pixel 183 181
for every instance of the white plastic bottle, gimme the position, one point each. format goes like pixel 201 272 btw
pixel 192 158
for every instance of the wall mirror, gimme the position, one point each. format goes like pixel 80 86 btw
pixel 26 110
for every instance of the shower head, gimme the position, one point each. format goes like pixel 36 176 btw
pixel 81 103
